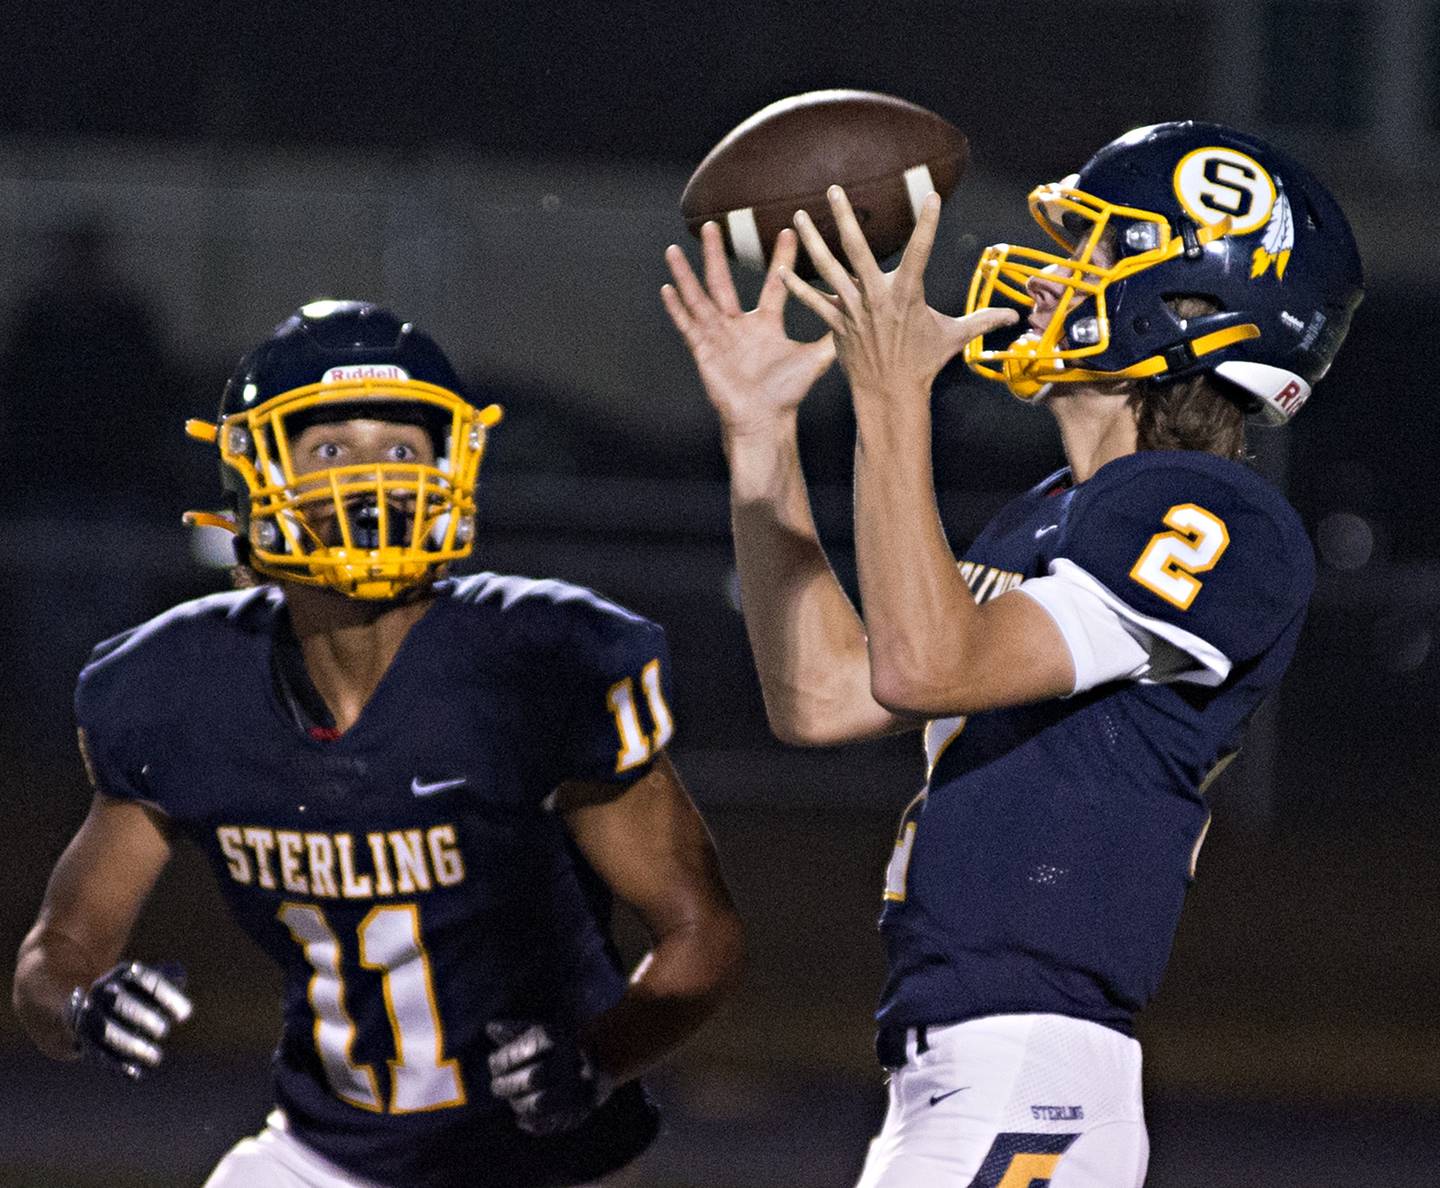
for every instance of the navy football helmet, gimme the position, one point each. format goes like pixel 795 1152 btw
pixel 373 530
pixel 1171 211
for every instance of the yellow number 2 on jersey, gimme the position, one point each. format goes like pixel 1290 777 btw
pixel 1169 563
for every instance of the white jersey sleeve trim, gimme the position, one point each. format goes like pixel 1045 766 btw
pixel 1110 640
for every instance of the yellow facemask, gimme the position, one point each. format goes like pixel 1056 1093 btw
pixel 1086 227
pixel 307 527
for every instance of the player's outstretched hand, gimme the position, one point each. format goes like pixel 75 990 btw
pixel 544 1075
pixel 752 371
pixel 889 341
pixel 126 1014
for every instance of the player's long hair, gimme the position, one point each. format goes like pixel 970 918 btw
pixel 1196 413
pixel 1189 414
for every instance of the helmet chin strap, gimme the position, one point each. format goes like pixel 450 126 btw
pixel 205 519
pixel 1022 377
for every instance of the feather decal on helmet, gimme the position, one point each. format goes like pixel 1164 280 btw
pixel 1278 240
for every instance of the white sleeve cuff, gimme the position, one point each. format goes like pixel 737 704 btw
pixel 1109 640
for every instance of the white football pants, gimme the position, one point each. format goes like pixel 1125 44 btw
pixel 1013 1101
pixel 275 1158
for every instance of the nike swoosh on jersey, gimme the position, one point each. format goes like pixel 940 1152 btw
pixel 937 1098
pixel 1049 528
pixel 418 788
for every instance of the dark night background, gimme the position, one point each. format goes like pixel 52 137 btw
pixel 174 178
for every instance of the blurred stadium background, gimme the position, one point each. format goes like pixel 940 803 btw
pixel 174 178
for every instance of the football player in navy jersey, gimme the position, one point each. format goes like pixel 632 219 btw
pixel 418 795
pixel 1095 654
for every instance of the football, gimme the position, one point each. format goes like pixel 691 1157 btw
pixel 887 153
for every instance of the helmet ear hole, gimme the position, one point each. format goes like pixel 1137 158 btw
pixel 1193 305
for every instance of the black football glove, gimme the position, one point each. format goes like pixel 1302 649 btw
pixel 544 1075
pixel 126 1013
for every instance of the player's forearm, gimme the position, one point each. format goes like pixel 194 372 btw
pixel 49 967
pixel 673 990
pixel 808 641
pixel 918 610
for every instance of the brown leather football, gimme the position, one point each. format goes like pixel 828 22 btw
pixel 887 153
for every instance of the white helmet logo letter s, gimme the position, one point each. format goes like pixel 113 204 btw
pixel 1218 183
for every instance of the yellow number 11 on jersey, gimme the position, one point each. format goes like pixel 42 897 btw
pixel 635 745
pixel 421 1078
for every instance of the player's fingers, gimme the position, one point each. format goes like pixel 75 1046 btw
pixel 821 304
pixel 519 1050
pixel 686 282
pixel 512 1085
pixel 857 251
pixel 821 354
pixel 773 291
pixel 126 1046
pixel 501 1061
pixel 139 1016
pixel 717 269
pixel 829 268
pixel 166 994
pixel 911 271
pixel 526 1104
pixel 980 323
pixel 675 307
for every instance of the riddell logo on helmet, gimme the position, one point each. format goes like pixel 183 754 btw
pixel 1291 397
pixel 364 371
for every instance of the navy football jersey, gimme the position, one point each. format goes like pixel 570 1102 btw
pixel 407 875
pixel 1043 867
